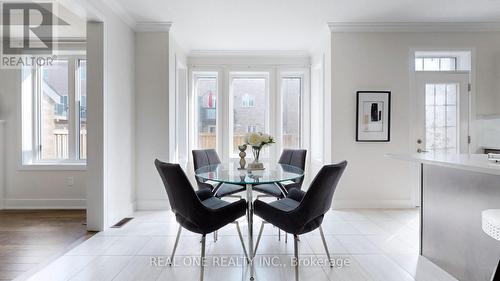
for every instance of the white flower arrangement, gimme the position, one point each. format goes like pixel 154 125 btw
pixel 258 140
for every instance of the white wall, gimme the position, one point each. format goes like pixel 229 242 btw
pixel 119 118
pixel 488 128
pixel 320 152
pixel 380 61
pixel 31 188
pixel 152 116
pixel 111 121
pixel 96 102
pixel 2 162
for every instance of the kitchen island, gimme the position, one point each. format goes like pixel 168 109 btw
pixel 455 189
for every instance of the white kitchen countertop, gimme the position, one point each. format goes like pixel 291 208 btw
pixel 471 162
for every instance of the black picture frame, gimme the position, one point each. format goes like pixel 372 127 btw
pixel 387 133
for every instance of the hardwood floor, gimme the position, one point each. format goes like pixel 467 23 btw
pixel 32 237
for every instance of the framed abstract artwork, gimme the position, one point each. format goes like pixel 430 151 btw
pixel 373 116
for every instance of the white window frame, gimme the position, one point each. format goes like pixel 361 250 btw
pixel 30 101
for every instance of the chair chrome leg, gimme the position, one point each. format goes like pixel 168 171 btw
pixel 241 240
pixel 286 238
pixel 175 245
pixel 296 254
pixel 215 236
pixel 258 238
pixel 202 261
pixel 279 234
pixel 326 246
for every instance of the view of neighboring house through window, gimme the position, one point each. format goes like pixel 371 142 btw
pixel 224 112
pixel 291 92
pixel 53 106
pixel 247 101
pixel 206 110
pixel 248 90
pixel 55 95
pixel 435 63
pixel 252 129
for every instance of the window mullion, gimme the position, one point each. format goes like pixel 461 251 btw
pixel 72 120
pixel 37 94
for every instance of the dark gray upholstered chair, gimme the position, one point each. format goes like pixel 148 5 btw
pixel 200 211
pixel 302 212
pixel 292 157
pixel 206 157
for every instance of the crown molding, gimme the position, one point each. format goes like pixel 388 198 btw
pixel 152 26
pixel 414 26
pixel 249 53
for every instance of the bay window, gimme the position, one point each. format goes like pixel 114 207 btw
pixel 229 102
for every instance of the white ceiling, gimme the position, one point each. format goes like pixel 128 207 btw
pixel 290 24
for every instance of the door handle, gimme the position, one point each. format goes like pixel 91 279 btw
pixel 421 150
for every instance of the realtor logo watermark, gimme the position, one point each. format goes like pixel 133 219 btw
pixel 27 34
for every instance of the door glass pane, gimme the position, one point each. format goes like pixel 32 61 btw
pixel 440 94
pixel 451 116
pixel 206 112
pixel 441 117
pixel 82 105
pixel 451 94
pixel 291 104
pixel 247 119
pixel 53 115
pixel 429 94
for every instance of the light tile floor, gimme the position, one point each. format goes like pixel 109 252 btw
pixel 380 245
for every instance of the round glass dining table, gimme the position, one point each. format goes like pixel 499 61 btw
pixel 229 173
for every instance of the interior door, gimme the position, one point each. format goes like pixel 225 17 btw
pixel 442 112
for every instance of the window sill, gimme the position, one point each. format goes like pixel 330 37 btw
pixel 53 167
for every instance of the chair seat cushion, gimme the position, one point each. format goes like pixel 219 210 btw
pixel 228 189
pixel 285 205
pixel 281 213
pixel 214 203
pixel 269 189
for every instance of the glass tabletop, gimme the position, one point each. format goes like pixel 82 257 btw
pixel 229 173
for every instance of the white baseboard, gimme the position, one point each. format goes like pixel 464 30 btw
pixel 151 204
pixel 372 204
pixel 26 204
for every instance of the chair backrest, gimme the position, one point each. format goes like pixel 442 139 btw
pixel 183 199
pixel 205 157
pixel 318 198
pixel 202 158
pixel 296 158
